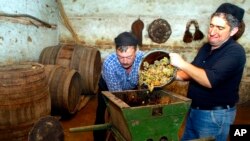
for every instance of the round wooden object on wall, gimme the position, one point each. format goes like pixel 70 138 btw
pixel 159 31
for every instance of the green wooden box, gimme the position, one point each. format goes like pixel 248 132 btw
pixel 138 115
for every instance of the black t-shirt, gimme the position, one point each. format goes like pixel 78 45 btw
pixel 224 68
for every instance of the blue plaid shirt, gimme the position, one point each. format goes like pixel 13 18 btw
pixel 115 75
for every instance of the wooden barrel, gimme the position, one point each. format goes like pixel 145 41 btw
pixel 87 61
pixel 24 98
pixel 49 55
pixel 64 54
pixel 65 88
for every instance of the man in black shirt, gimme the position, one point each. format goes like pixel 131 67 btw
pixel 214 76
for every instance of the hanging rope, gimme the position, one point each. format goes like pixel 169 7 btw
pixel 66 22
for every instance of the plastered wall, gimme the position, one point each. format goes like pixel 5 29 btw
pixel 22 36
pixel 97 22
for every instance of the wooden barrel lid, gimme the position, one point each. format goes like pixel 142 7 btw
pixel 159 31
pixel 45 129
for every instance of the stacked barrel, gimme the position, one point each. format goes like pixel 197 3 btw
pixel 65 87
pixel 80 62
pixel 64 78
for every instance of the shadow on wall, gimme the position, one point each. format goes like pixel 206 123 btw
pixel 180 87
pixel 244 90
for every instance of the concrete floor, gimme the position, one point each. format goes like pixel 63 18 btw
pixel 86 116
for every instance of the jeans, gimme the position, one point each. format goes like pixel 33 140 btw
pixel 209 123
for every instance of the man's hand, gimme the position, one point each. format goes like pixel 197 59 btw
pixel 176 60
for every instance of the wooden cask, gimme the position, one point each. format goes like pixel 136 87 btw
pixel 24 98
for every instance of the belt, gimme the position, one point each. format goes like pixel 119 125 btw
pixel 212 107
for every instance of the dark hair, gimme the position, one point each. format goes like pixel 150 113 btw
pixel 124 40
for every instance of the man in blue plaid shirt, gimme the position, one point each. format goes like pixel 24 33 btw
pixel 119 72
